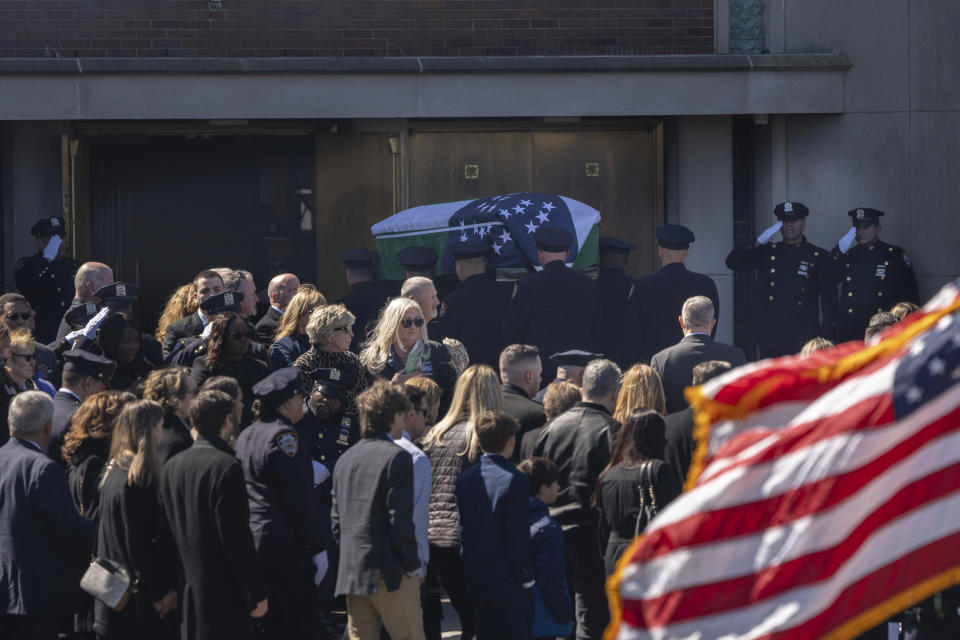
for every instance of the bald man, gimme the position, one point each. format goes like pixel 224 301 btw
pixel 90 277
pixel 280 291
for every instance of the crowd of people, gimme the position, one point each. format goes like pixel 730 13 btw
pixel 256 476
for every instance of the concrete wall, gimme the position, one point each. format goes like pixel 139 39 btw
pixel 896 147
pixel 704 203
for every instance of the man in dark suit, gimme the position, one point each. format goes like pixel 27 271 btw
pixel 679 425
pixel 203 493
pixel 520 371
pixel 280 290
pixel 365 299
pixel 617 289
pixel 493 502
pixel 208 283
pixel 557 308
pixel 579 441
pixel 675 364
pixel 659 297
pixel 44 543
pixel 474 312
pixel 372 520
pixel 84 374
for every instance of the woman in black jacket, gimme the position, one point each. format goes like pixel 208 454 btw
pixel 133 529
pixel 636 465
pixel 174 389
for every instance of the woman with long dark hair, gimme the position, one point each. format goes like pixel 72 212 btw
pixel 133 530
pixel 120 340
pixel 636 465
pixel 229 354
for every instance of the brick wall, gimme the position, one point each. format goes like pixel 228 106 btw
pixel 269 28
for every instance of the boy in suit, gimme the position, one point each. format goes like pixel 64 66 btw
pixel 493 501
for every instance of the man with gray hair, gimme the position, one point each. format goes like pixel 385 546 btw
pixel 241 281
pixel 421 290
pixel 579 443
pixel 675 364
pixel 44 542
pixel 90 277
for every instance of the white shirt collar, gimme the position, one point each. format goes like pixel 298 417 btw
pixel 65 390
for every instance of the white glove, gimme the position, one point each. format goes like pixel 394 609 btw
pixel 320 473
pixel 90 331
pixel 764 237
pixel 847 240
pixel 528 585
pixel 321 563
pixel 50 251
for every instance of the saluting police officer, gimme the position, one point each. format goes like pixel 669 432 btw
pixel 659 297
pixel 794 282
pixel 287 529
pixel 46 278
pixel 615 336
pixel 555 309
pixel 365 299
pixel 475 311
pixel 874 275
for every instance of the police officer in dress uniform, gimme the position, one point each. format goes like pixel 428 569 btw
pixel 475 311
pixel 46 278
pixel 287 529
pixel 365 299
pixel 659 297
pixel 557 308
pixel 794 283
pixel 874 275
pixel 616 299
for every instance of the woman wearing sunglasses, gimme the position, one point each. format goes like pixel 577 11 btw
pixel 398 349
pixel 229 354
pixel 21 364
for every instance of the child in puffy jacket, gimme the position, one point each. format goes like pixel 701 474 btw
pixel 553 613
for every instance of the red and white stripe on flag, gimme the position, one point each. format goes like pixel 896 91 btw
pixel 820 501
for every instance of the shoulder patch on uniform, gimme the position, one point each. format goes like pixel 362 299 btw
pixel 906 258
pixel 288 443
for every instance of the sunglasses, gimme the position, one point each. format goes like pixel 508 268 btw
pixel 406 323
pixel 26 356
pixel 236 335
pixel 12 317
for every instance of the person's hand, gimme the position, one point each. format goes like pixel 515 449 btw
pixel 846 241
pixel 764 237
pixel 166 604
pixel 53 246
pixel 321 563
pixel 400 378
pixel 261 609
pixel 90 331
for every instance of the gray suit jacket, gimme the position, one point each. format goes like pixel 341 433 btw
pixel 372 516
pixel 675 364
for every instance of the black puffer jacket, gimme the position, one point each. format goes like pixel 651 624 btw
pixel 447 461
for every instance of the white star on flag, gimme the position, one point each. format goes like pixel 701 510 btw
pixel 505 213
pixel 543 216
pixel 531 227
pixel 518 209
pixel 526 203
pixel 463 237
pixel 505 236
pixel 549 206
pixel 497 248
pixel 914 394
pixel 937 367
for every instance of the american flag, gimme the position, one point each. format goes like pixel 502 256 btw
pixel 507 223
pixel 824 496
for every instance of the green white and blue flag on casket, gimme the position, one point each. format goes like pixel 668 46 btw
pixel 506 222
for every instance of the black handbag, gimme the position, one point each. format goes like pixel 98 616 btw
pixel 109 582
pixel 648 499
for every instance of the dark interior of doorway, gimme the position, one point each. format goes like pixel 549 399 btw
pixel 164 207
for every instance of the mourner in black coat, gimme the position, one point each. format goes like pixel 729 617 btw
pixel 266 327
pixel 675 364
pixel 365 299
pixel 84 374
pixel 204 496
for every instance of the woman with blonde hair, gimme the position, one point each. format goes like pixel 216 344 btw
pixel 398 349
pixel 180 304
pixel 451 446
pixel 291 340
pixel 640 388
pixel 133 530
pixel 330 330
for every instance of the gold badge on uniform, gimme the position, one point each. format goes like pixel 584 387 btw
pixel 334 374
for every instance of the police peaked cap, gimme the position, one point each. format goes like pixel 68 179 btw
pixel 222 303
pixel 615 245
pixel 358 258
pixel 790 211
pixel 46 227
pixel 472 248
pixel 118 294
pixel 328 381
pixel 280 386
pixel 674 236
pixel 574 358
pixel 865 217
pixel 552 239
pixel 417 258
pixel 89 364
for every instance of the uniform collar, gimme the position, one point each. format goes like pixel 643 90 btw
pixel 70 393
